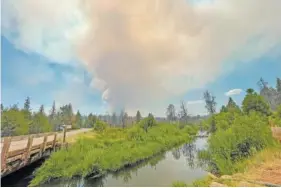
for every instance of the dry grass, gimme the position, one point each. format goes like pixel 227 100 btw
pixel 276 132
pixel 264 167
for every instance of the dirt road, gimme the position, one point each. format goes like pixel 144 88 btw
pixel 16 145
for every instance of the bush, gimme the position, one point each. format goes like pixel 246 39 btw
pixel 246 135
pixel 100 125
pixel 179 184
pixel 147 122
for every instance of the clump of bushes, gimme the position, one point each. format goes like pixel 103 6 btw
pixel 246 135
pixel 147 122
pixel 100 125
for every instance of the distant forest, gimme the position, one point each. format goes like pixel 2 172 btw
pixel 21 121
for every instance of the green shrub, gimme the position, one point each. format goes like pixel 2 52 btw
pixel 100 125
pixel 179 184
pixel 246 135
pixel 204 182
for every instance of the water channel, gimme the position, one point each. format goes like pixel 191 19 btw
pixel 178 164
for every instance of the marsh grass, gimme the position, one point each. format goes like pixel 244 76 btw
pixel 110 150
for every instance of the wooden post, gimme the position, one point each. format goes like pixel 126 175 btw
pixel 44 144
pixel 28 149
pixel 54 141
pixel 5 151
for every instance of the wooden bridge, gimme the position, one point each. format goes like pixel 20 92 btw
pixel 20 151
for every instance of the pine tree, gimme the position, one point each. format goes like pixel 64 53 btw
pixel 41 110
pixel 27 104
pixel 183 114
pixel 278 85
pixel 171 113
pixel 124 119
pixel 15 107
pixel 78 122
pixel 223 109
pixel 114 118
pixel 211 108
pixel 27 114
pixel 232 106
pixel 53 119
pixel 138 116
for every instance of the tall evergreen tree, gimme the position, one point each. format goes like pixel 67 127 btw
pixel 53 118
pixel 278 85
pixel 171 113
pixel 114 118
pixel 53 111
pixel 124 118
pixel 223 109
pixel 232 106
pixel 78 120
pixel 15 107
pixel 138 116
pixel 27 114
pixel 183 114
pixel 211 108
pixel 67 114
pixel 26 106
pixel 41 109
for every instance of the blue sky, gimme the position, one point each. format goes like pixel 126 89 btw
pixel 39 60
pixel 27 74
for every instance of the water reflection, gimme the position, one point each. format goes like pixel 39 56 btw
pixel 176 153
pixel 189 151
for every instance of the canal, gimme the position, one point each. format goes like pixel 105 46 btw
pixel 178 164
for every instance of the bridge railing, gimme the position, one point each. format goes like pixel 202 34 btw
pixel 21 148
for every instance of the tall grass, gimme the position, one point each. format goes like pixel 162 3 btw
pixel 110 150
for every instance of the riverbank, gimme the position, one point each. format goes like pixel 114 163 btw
pixel 262 169
pixel 111 150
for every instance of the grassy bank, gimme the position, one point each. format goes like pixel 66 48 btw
pixel 110 150
pixel 263 167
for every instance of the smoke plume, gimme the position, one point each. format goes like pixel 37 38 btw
pixel 143 51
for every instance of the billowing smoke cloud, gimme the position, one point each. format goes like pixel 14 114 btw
pixel 142 51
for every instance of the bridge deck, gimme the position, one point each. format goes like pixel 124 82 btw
pixel 20 151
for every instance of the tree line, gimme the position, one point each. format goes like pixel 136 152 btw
pixel 22 121
pixel 267 103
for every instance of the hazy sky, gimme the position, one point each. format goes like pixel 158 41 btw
pixel 137 54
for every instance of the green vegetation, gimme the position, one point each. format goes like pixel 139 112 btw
pixel 16 121
pixel 239 133
pixel 227 147
pixel 203 182
pixel 275 119
pixel 255 102
pixel 112 149
pixel 179 184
